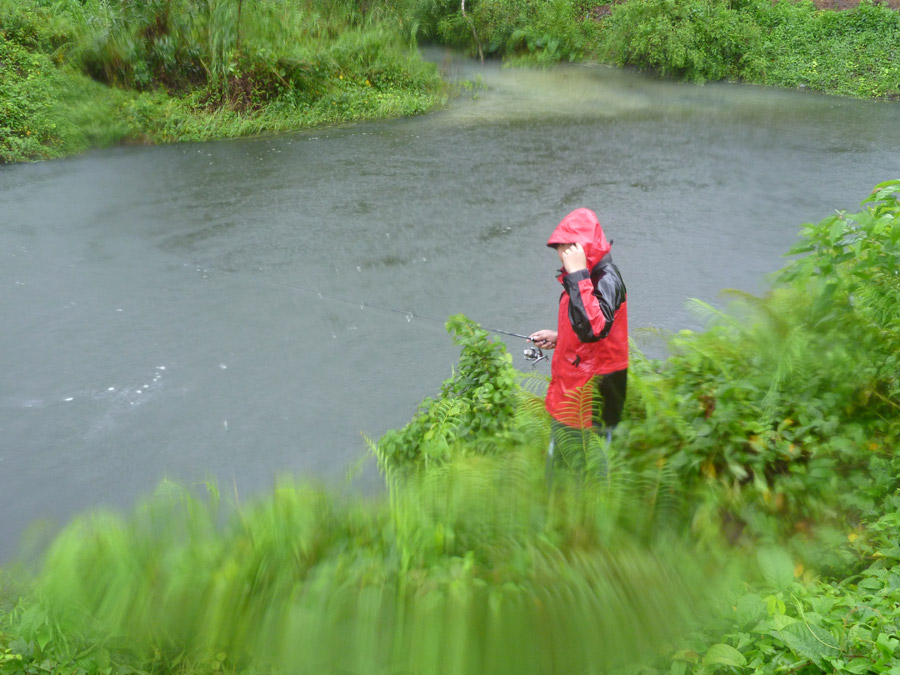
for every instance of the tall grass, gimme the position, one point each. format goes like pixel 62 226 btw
pixel 470 569
pixel 197 69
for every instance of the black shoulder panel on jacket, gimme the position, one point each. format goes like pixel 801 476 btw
pixel 609 289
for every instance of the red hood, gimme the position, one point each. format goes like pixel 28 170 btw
pixel 582 227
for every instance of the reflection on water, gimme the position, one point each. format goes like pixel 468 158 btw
pixel 161 306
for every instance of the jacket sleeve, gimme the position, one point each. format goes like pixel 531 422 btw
pixel 591 309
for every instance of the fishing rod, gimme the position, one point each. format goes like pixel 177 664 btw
pixel 533 355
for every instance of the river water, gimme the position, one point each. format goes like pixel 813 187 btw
pixel 160 305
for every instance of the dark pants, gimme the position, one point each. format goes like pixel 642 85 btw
pixel 579 449
pixel 609 399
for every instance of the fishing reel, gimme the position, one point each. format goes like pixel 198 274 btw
pixel 534 355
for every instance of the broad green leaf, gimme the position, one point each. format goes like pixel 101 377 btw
pixel 780 621
pixel 809 641
pixel 723 655
pixel 822 604
pixel 857 666
pixel 889 189
pixel 776 566
pixel 837 230
pixel 749 609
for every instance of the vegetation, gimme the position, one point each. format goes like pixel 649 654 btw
pixel 852 52
pixel 745 518
pixel 790 44
pixel 182 70
pixel 76 74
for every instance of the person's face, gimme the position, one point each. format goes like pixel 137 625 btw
pixel 562 248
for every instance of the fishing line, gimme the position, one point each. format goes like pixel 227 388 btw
pixel 534 354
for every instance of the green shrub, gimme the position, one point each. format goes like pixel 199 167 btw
pixel 853 52
pixel 474 412
pixel 536 30
pixel 789 408
pixel 697 40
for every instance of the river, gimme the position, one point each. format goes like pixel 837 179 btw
pixel 161 308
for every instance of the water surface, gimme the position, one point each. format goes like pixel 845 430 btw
pixel 161 315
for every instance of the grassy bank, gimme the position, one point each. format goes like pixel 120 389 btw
pixel 78 74
pixel 791 44
pixel 745 518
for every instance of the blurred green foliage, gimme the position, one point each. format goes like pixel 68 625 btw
pixel 468 570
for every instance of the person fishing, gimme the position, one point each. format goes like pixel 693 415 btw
pixel 589 369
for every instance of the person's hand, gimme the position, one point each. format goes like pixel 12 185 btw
pixel 545 339
pixel 574 259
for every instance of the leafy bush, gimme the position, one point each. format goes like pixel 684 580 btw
pixel 28 90
pixel 474 412
pixel 788 409
pixel 790 44
pixel 543 31
pixel 695 39
pixel 852 52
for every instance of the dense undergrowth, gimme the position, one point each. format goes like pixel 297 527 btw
pixel 76 74
pixel 745 518
pixel 187 70
pixel 792 44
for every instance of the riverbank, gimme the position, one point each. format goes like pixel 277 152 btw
pixel 787 44
pixel 94 74
pixel 91 74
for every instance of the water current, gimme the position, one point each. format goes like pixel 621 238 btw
pixel 161 308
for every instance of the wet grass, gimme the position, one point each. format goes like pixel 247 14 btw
pixel 101 72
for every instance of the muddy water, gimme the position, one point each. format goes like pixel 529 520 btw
pixel 161 308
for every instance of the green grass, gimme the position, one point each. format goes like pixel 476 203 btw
pixel 80 75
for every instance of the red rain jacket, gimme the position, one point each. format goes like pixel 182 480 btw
pixel 592 323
